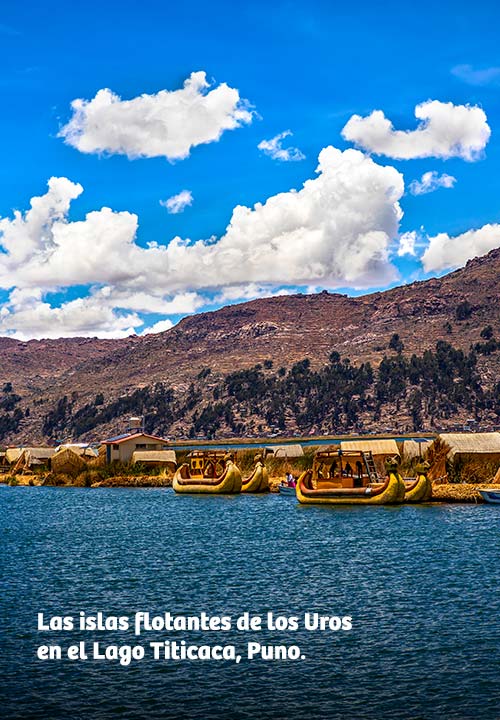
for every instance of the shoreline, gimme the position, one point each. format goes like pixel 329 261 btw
pixel 312 440
pixel 445 493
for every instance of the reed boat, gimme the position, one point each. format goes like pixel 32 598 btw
pixel 258 482
pixel 211 471
pixel 349 478
pixel 419 489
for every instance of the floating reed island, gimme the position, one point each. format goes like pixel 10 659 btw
pixel 365 471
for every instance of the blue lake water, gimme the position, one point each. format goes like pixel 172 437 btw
pixel 304 441
pixel 421 584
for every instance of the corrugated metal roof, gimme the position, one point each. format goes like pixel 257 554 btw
pixel 127 436
pixel 166 456
pixel 376 447
pixel 472 443
pixel 288 451
pixel 116 438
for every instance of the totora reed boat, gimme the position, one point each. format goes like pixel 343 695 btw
pixel 208 472
pixel 419 489
pixel 349 478
pixel 258 482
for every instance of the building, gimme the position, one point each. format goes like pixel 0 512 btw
pixel 81 449
pixel 122 447
pixel 472 446
pixel 415 448
pixel 27 457
pixel 284 451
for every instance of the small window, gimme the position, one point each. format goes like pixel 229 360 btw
pixel 116 447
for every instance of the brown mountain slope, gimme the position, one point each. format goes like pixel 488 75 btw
pixel 284 329
pixel 290 328
pixel 36 362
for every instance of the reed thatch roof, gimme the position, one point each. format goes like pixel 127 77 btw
pixel 487 443
pixel 41 454
pixel 415 449
pixel 285 451
pixel 79 449
pixel 376 447
pixel 160 457
pixel 12 455
pixel 68 461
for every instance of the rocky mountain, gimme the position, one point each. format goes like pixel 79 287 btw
pixel 189 363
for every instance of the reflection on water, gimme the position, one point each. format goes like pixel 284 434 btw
pixel 421 584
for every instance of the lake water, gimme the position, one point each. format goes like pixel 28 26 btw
pixel 304 441
pixel 421 584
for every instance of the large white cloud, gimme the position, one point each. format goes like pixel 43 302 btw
pixel 336 231
pixel 446 253
pixel 167 124
pixel 27 315
pixel 104 312
pixel 445 130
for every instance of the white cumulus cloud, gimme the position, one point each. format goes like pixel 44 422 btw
pixel 178 203
pixel 167 124
pixel 274 149
pixel 445 130
pixel 158 327
pixel 337 230
pixel 407 242
pixel 431 181
pixel 334 231
pixel 446 253
pixel 27 315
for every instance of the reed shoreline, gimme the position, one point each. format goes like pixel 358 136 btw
pixel 441 493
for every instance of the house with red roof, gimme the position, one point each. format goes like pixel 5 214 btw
pixel 122 447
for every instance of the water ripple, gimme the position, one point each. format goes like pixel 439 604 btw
pixel 420 582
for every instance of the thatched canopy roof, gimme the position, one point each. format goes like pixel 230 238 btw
pixel 376 447
pixel 285 451
pixel 414 448
pixel 12 455
pixel 487 443
pixel 79 449
pixel 42 454
pixel 155 456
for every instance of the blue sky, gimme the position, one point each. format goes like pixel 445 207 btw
pixel 303 67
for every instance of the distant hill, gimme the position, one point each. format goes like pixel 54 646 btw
pixel 87 387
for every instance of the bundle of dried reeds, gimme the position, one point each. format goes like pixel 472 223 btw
pixel 456 492
pixel 436 457
pixel 68 462
pixel 135 481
